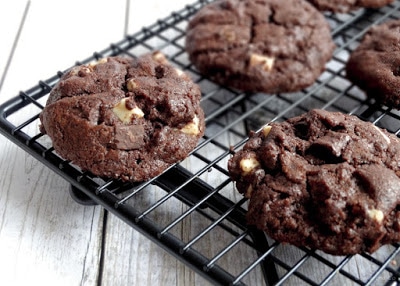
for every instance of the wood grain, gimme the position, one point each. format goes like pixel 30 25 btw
pixel 44 235
pixel 46 238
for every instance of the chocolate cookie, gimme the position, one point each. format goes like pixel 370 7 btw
pixel 124 118
pixel 344 6
pixel 375 65
pixel 324 180
pixel 268 46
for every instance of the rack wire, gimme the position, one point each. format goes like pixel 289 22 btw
pixel 199 187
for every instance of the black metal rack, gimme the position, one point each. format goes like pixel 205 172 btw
pixel 214 204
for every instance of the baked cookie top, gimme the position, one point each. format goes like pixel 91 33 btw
pixel 269 46
pixel 344 6
pixel 375 64
pixel 325 180
pixel 124 118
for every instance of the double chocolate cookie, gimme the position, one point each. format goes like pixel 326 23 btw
pixel 375 64
pixel 269 46
pixel 344 6
pixel 324 180
pixel 124 118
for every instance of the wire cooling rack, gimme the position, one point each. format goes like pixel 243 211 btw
pixel 192 210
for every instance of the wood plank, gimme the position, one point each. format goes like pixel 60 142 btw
pixel 132 259
pixel 45 237
pixel 10 24
pixel 59 33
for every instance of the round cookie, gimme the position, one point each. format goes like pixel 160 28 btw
pixel 324 180
pixel 374 65
pixel 269 46
pixel 124 118
pixel 344 6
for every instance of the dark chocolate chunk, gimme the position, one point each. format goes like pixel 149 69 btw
pixel 129 137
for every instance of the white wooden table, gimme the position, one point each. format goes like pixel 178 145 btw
pixel 46 238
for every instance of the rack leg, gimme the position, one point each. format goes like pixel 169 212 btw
pixel 81 197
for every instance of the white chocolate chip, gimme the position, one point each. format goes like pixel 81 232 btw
pixel 259 60
pixel 125 114
pixel 179 72
pixel 101 61
pixel 248 165
pixel 266 130
pixel 376 215
pixel 80 69
pixel 160 57
pixel 387 139
pixel 132 85
pixel 137 112
pixel 87 68
pixel 192 128
pixel 75 70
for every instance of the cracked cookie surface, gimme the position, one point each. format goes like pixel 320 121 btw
pixel 374 65
pixel 269 46
pixel 324 180
pixel 124 118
